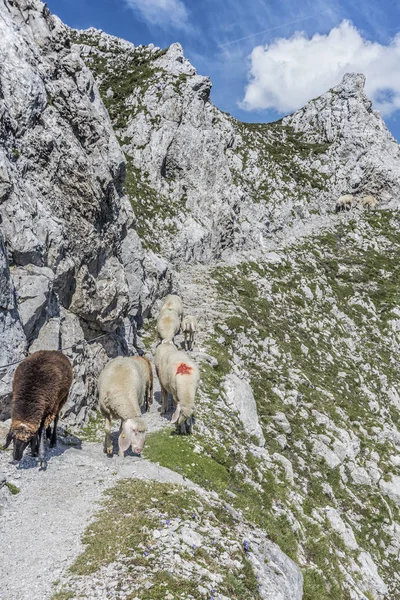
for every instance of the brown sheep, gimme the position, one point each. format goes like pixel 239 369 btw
pixel 147 371
pixel 40 389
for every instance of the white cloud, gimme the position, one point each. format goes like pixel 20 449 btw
pixel 287 73
pixel 164 13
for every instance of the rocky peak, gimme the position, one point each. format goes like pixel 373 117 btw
pixel 362 156
pixel 352 85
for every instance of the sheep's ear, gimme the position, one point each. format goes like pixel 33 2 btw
pixel 9 439
pixel 125 439
pixel 176 414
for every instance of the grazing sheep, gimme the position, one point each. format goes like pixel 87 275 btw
pixel 40 389
pixel 179 376
pixel 173 302
pixel 344 202
pixel 189 329
pixel 147 371
pixel 122 389
pixel 369 202
pixel 169 319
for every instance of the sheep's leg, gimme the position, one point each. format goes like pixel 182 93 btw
pixel 48 432
pixel 185 340
pixel 121 452
pixel 108 449
pixel 53 440
pixel 189 425
pixel 34 445
pixel 164 401
pixel 42 435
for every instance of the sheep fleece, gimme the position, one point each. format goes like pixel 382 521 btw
pixel 178 375
pixel 121 388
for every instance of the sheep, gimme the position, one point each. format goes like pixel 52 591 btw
pixel 189 329
pixel 344 202
pixel 40 388
pixel 122 389
pixel 169 319
pixel 369 202
pixel 173 302
pixel 179 376
pixel 168 325
pixel 147 371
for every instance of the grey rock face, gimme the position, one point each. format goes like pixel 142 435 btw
pixel 280 578
pixel 240 397
pixel 12 337
pixel 77 262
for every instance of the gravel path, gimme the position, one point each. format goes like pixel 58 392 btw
pixel 41 526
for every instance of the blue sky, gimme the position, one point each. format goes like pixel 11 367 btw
pixel 265 59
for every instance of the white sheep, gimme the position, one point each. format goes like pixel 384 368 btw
pixel 169 319
pixel 168 325
pixel 173 302
pixel 147 371
pixel 344 202
pixel 369 202
pixel 180 377
pixel 121 394
pixel 189 329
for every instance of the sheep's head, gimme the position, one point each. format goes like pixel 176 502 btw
pixel 133 434
pixel 21 434
pixel 184 419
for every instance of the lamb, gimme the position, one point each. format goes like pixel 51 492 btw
pixel 369 202
pixel 344 202
pixel 147 372
pixel 40 388
pixel 169 319
pixel 122 389
pixel 189 329
pixel 179 376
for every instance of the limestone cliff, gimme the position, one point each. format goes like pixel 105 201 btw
pixel 76 261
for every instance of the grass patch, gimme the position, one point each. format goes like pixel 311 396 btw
pixel 123 531
pixel 63 595
pixel 94 429
pixel 12 488
pixel 214 470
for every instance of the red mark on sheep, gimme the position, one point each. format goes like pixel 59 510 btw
pixel 184 369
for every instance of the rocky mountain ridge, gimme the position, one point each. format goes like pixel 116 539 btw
pixel 119 181
pixel 229 184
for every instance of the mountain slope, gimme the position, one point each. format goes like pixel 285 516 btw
pixel 211 183
pixel 119 186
